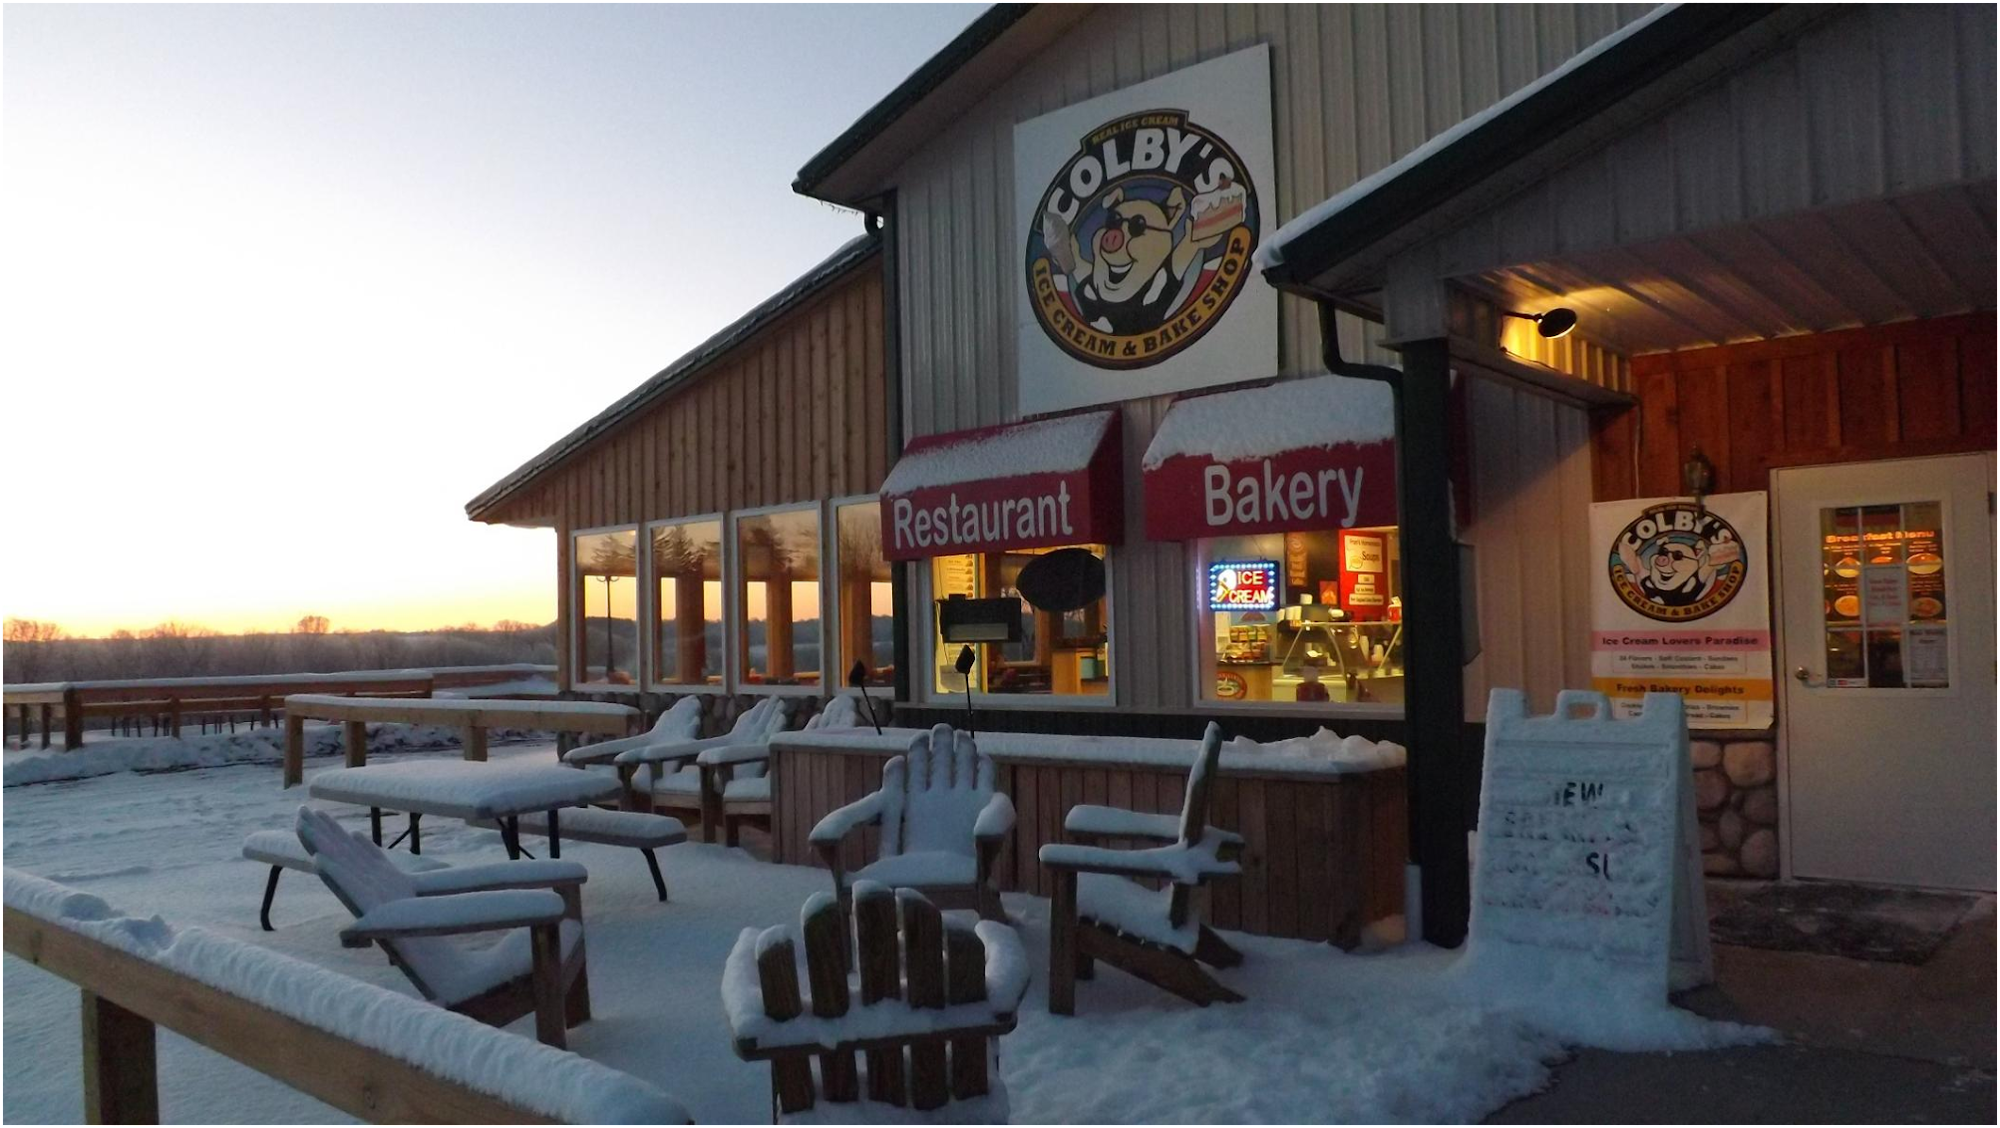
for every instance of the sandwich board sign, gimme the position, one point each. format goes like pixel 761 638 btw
pixel 1588 865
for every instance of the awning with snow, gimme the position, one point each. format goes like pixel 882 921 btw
pixel 1036 484
pixel 1318 453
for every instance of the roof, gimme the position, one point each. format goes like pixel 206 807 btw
pixel 914 89
pixel 1530 122
pixel 853 254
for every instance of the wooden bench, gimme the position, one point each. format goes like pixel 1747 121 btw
pixel 282 850
pixel 935 995
pixel 635 829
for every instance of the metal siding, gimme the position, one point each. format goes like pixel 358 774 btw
pixel 1353 88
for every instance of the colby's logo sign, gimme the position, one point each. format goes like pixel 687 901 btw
pixel 1677 562
pixel 1144 240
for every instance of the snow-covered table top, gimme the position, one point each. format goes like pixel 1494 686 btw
pixel 1305 757
pixel 460 790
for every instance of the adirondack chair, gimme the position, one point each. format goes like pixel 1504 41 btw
pixel 942 825
pixel 537 968
pixel 664 776
pixel 678 725
pixel 1099 913
pixel 933 1008
pixel 735 779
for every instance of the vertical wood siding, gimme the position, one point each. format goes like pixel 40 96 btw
pixel 1353 88
pixel 1893 391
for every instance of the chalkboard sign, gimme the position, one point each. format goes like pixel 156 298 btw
pixel 1586 863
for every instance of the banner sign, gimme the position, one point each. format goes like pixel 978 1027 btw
pixel 1038 484
pixel 1680 604
pixel 1139 212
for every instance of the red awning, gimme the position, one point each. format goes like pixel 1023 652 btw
pixel 1037 484
pixel 1318 453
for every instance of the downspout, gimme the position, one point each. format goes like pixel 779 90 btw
pixel 884 223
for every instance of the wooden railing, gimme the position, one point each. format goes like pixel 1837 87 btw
pixel 472 716
pixel 167 701
pixel 125 996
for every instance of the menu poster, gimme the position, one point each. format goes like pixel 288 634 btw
pixel 1885 597
pixel 1926 657
pixel 1364 574
pixel 1680 603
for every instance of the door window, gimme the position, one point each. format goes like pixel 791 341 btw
pixel 1884 608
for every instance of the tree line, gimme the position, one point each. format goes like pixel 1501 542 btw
pixel 35 651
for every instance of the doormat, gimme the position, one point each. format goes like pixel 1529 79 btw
pixel 1860 922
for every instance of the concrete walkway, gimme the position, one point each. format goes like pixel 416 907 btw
pixel 1865 1043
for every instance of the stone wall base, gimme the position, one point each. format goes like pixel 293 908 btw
pixel 1736 803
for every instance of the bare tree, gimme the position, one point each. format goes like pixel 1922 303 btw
pixel 312 625
pixel 27 654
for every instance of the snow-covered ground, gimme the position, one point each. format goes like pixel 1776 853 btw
pixel 1393 1036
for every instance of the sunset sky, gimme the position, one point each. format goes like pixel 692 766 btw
pixel 284 287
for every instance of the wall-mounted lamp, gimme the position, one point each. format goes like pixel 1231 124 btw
pixel 1698 475
pixel 1551 323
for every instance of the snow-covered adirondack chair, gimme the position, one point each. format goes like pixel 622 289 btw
pixel 1099 913
pixel 664 776
pixel 678 725
pixel 537 968
pixel 944 989
pixel 942 824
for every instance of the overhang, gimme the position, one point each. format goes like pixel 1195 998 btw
pixel 1040 483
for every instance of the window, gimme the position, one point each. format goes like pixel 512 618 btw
pixel 778 622
pixel 1884 606
pixel 1060 652
pixel 867 616
pixel 607 598
pixel 687 603
pixel 1301 617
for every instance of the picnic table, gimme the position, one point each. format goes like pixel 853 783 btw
pixel 455 789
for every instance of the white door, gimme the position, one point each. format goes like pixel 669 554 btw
pixel 1885 582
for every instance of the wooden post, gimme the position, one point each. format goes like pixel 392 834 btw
pixel 295 749
pixel 357 743
pixel 174 716
pixel 120 1068
pixel 264 711
pixel 72 720
pixel 475 743
pixel 691 627
pixel 826 970
pixel 48 712
pixel 545 947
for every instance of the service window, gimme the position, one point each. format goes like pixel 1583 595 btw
pixel 1301 618
pixel 777 606
pixel 607 602
pixel 1063 650
pixel 687 602
pixel 866 611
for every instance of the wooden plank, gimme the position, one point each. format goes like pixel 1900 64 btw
pixel 923 963
pixel 1003 862
pixel 1315 858
pixel 966 957
pixel 1659 430
pixel 1281 858
pixel 1976 383
pixel 881 978
pixel 826 971
pixel 1048 807
pixel 1755 418
pixel 838 433
pixel 1867 396
pixel 1028 839
pixel 1256 853
pixel 1225 902
pixel 1927 389
pixel 778 980
pixel 1703 397
pixel 1811 391
pixel 1612 438
pixel 353 1078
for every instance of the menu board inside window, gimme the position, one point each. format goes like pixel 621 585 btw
pixel 1885 607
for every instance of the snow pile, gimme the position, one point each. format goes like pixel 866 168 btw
pixel 1320 411
pixel 517 1070
pixel 1346 753
pixel 1062 445
pixel 1272 252
pixel 251 746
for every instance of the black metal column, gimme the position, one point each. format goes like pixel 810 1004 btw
pixel 1440 791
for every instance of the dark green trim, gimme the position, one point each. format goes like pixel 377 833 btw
pixel 1512 135
pixel 990 25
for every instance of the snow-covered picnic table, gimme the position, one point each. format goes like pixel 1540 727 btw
pixel 454 789
pixel 473 716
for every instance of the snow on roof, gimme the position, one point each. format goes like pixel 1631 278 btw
pixel 1043 446
pixel 1322 411
pixel 1272 252
pixel 462 1050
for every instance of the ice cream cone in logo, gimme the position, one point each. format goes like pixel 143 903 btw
pixel 1141 240
pixel 1677 562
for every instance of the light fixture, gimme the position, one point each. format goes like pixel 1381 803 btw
pixel 1698 475
pixel 1551 323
